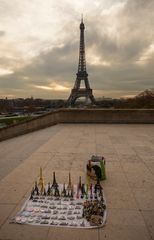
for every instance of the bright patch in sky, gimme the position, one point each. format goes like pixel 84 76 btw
pixel 5 72
pixel 54 87
pixel 146 55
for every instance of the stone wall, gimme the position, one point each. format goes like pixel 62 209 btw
pixel 79 116
pixel 30 125
pixel 107 116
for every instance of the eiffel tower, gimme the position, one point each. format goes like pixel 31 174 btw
pixel 81 75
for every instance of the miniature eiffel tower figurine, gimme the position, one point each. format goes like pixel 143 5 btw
pixel 69 183
pixel 83 189
pixel 41 182
pixel 36 190
pixel 63 193
pixel 49 190
pixel 56 194
pixel 98 187
pixel 79 185
pixel 72 191
pixel 79 188
pixel 44 192
pixel 32 194
pixel 87 189
pixel 54 184
pixel 91 191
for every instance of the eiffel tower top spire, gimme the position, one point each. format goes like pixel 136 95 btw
pixel 82 17
pixel 82 58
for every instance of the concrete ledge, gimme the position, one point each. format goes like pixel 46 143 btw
pixel 79 116
pixel 107 116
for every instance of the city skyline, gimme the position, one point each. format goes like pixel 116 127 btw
pixel 39 44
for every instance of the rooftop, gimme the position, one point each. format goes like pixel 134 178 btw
pixel 129 151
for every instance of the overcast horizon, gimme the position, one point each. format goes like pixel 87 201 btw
pixel 39 47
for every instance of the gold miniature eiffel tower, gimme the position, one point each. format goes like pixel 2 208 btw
pixel 41 182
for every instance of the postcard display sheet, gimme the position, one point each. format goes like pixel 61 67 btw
pixel 80 209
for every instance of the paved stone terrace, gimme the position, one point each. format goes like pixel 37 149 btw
pixel 129 188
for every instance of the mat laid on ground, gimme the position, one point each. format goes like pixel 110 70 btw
pixel 79 207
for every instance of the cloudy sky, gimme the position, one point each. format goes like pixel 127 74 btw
pixel 39 43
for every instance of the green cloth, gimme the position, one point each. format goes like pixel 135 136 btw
pixel 100 171
pixel 103 170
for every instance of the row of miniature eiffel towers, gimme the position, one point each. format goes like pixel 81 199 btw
pixel 89 191
pixel 53 189
pixel 83 190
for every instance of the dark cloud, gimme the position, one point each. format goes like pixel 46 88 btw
pixel 133 32
pixel 54 65
pixel 2 33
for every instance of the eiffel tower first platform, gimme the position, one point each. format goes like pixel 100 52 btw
pixel 81 75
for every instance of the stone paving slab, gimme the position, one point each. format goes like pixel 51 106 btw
pixel 129 188
pixel 75 234
pixel 14 151
pixel 26 232
pixel 123 232
pixel 149 221
pixel 5 210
